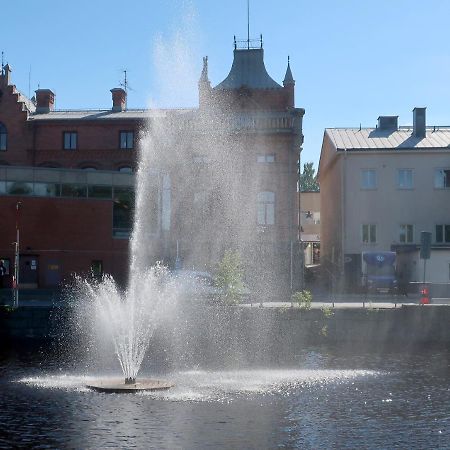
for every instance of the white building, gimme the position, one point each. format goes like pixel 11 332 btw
pixel 380 187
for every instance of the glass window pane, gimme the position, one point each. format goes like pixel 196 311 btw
pixel 439 233
pixel 123 140
pixel 270 214
pixel 373 233
pixel 447 233
pixel 19 188
pixel 46 189
pixel 410 237
pixel 73 190
pixel 365 233
pixel 3 137
pixel 99 191
pixel 2 187
pixel 439 179
pixel 261 214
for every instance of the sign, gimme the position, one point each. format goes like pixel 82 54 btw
pixel 425 244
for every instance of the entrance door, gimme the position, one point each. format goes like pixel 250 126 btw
pixel 28 275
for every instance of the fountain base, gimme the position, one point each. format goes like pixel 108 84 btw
pixel 118 386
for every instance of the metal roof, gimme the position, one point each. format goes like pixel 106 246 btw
pixel 378 139
pixel 248 70
pixel 108 114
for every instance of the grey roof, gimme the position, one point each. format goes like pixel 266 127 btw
pixel 248 70
pixel 288 78
pixel 374 138
pixel 28 104
pixel 108 114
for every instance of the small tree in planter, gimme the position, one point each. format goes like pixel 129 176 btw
pixel 229 277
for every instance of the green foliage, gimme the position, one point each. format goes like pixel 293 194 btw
pixel 303 298
pixel 324 331
pixel 308 179
pixel 327 311
pixel 229 277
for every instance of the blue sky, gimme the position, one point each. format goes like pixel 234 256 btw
pixel 352 60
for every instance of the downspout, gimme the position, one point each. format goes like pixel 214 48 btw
pixel 343 202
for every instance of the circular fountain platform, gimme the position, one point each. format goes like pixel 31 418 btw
pixel 119 386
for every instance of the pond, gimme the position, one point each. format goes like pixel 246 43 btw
pixel 323 398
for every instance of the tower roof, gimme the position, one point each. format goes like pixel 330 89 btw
pixel 288 78
pixel 248 70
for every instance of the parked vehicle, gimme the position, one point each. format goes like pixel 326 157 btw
pixel 379 272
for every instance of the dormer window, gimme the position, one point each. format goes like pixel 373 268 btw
pixel 3 138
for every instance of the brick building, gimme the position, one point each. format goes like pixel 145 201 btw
pixel 229 169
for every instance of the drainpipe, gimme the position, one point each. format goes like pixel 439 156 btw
pixel 343 202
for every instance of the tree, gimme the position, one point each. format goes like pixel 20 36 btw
pixel 308 179
pixel 229 277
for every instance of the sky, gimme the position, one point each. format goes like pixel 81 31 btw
pixel 353 60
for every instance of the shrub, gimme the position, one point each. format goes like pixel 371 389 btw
pixel 303 298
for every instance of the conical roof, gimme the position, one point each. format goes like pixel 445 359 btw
pixel 288 78
pixel 248 70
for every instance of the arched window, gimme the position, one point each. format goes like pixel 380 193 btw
pixel 266 208
pixel 125 169
pixel 3 137
pixel 89 168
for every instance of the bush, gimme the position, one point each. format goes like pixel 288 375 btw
pixel 303 298
pixel 229 277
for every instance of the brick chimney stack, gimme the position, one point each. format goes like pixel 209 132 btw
pixel 119 99
pixel 45 101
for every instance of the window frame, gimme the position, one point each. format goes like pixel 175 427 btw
pixel 71 147
pixel 267 207
pixel 265 158
pixel 445 181
pixel 405 187
pixel 445 228
pixel 3 137
pixel 368 187
pixel 371 230
pixel 126 133
pixel 406 231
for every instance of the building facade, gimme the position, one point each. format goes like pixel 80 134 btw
pixel 380 187
pixel 223 175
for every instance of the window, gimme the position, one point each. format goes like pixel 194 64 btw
pixel 97 269
pixel 3 137
pixel 443 233
pixel 125 169
pixel 266 208
pixel 73 190
pixel 97 191
pixel 442 178
pixel 368 179
pixel 406 235
pixel 127 139
pixel 89 168
pixel 405 178
pixel 123 211
pixel 70 140
pixel 369 233
pixel 268 158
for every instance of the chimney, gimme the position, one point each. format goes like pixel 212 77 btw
pixel 45 101
pixel 419 122
pixel 119 98
pixel 388 123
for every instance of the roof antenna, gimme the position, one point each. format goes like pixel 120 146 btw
pixel 3 54
pixel 124 83
pixel 248 24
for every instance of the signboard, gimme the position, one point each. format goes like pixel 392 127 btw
pixel 425 244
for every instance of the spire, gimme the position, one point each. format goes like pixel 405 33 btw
pixel 204 75
pixel 288 78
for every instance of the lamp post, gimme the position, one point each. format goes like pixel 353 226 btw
pixel 15 284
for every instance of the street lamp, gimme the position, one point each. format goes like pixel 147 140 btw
pixel 15 284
